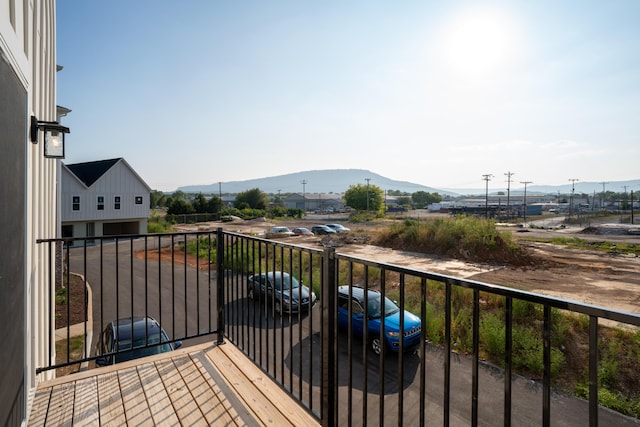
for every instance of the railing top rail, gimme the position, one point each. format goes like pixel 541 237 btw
pixel 127 236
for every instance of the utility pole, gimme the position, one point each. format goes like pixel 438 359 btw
pixel 509 175
pixel 304 196
pixel 632 222
pixel 486 178
pixel 573 188
pixel 604 194
pixel 524 211
pixel 367 179
pixel 220 190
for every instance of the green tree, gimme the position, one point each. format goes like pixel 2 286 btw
pixel 356 197
pixel 254 199
pixel 200 203
pixel 179 195
pixel 179 207
pixel 423 198
pixel 404 201
pixel 157 199
pixel 214 205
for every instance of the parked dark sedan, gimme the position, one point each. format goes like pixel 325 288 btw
pixel 286 292
pixel 375 311
pixel 148 339
pixel 322 229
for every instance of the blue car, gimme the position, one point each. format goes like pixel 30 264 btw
pixel 148 338
pixel 375 311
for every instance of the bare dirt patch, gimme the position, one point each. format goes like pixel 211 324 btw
pixel 175 255
pixel 592 277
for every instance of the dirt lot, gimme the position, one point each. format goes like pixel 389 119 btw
pixel 597 278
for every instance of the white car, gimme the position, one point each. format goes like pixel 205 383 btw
pixel 338 228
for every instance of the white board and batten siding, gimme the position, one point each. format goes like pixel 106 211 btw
pixel 119 181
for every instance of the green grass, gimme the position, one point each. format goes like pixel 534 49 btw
pixel 461 237
pixel 158 224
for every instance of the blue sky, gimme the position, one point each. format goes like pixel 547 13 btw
pixel 435 93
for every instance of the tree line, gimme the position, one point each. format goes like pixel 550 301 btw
pixel 358 197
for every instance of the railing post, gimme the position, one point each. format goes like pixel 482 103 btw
pixel 329 298
pixel 220 283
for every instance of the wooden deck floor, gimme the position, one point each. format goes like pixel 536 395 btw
pixel 200 385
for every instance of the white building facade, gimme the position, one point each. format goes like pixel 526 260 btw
pixel 103 198
pixel 28 185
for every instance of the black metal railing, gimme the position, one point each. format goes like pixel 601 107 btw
pixel 333 370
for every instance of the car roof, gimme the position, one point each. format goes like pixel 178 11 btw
pixel 141 326
pixel 357 292
pixel 270 274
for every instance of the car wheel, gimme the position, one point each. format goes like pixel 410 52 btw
pixel 278 307
pixel 252 294
pixel 376 345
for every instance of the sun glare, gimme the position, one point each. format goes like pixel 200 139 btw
pixel 478 42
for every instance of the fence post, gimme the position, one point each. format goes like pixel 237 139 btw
pixel 329 298
pixel 220 283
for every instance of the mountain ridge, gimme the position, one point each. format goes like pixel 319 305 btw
pixel 339 180
pixel 313 181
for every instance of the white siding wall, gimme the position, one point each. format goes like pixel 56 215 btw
pixel 118 181
pixel 27 41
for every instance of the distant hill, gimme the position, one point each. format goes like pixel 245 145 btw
pixel 317 181
pixel 339 180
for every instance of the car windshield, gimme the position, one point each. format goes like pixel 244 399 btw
pixel 375 307
pixel 139 347
pixel 286 282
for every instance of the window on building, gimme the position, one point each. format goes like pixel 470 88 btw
pixel 116 202
pixel 76 203
pixel 100 203
pixel 138 200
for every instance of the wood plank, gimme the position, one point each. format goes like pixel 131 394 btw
pixel 136 409
pixel 199 361
pixel 261 407
pixel 61 405
pixel 285 403
pixel 110 400
pixel 210 405
pixel 157 397
pixel 266 399
pixel 38 414
pixel 183 403
pixel 85 406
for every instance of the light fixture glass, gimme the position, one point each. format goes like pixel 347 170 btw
pixel 53 144
pixel 53 137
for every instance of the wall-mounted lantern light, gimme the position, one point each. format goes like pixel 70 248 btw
pixel 53 137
